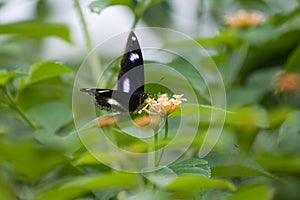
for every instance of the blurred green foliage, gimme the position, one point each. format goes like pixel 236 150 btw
pixel 256 157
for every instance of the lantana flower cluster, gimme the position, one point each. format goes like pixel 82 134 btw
pixel 242 19
pixel 163 105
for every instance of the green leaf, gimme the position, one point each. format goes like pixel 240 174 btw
pixel 289 132
pixel 140 7
pixel 107 194
pixel 128 141
pixel 252 93
pixel 45 70
pixel 78 186
pixel 98 6
pixel 192 166
pixel 162 177
pixel 293 61
pixel 158 14
pixel 53 89
pixel 189 183
pixel 291 24
pixel 258 35
pixel 278 115
pixel 51 115
pixel 69 143
pixel 90 158
pixel 157 1
pixel 241 96
pixel 254 116
pixel 7 76
pixel 28 159
pixel 96 157
pixel 5 194
pixel 121 2
pixel 196 109
pixel 145 194
pixel 272 53
pixel 260 192
pixel 279 19
pixel 229 37
pixel 233 64
pixel 37 29
pixel 6 190
pixel 280 163
pixel 185 69
pixel 235 165
pixel 263 77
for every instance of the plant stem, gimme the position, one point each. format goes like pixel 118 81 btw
pixel 139 11
pixel 151 156
pixel 134 22
pixel 166 128
pixel 84 26
pixel 94 60
pixel 165 138
pixel 16 107
pixel 156 161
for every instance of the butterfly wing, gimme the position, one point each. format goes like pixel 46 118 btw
pixel 114 100
pixel 130 93
pixel 106 99
pixel 131 76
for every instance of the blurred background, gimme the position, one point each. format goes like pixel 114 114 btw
pixel 254 44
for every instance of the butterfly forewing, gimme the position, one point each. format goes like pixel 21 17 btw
pixel 131 75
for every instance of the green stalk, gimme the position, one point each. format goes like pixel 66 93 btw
pixel 84 26
pixel 94 60
pixel 139 11
pixel 166 128
pixel 165 138
pixel 156 161
pixel 151 156
pixel 134 22
pixel 17 108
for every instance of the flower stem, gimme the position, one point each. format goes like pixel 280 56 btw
pixel 165 138
pixel 151 158
pixel 156 159
pixel 17 108
pixel 166 128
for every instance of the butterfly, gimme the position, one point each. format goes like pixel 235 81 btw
pixel 130 89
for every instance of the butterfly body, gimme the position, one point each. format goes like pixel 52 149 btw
pixel 130 89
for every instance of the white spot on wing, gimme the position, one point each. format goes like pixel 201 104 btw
pixel 113 102
pixel 133 38
pixel 133 57
pixel 102 91
pixel 126 85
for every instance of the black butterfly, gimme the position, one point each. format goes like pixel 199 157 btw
pixel 130 91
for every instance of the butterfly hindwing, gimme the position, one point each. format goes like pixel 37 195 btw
pixel 106 99
pixel 114 100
